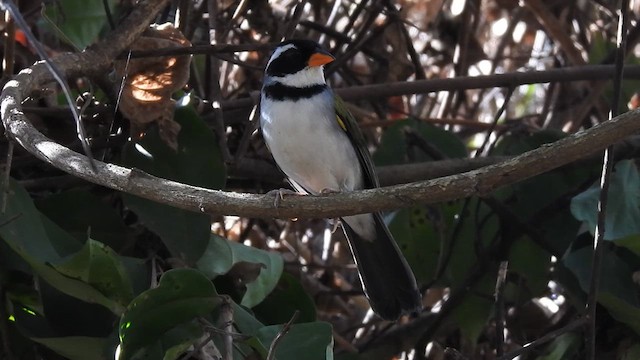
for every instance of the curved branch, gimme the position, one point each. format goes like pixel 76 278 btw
pixel 476 182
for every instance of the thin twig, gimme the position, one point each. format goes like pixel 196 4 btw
pixel 285 329
pixel 545 339
pixel 295 19
pixel 508 80
pixel 226 317
pixel 607 169
pixel 499 307
pixel 494 123
pixel 214 83
pixel 199 50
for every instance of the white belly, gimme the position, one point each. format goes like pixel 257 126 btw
pixel 311 149
pixel 314 152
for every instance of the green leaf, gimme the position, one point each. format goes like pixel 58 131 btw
pixel 519 142
pixel 40 329
pixel 563 347
pixel 631 242
pixel 196 162
pixel 314 340
pixel 22 227
pixel 217 258
pixel 99 266
pixel 480 226
pixel 532 263
pixel 83 215
pixel 472 315
pixel 182 295
pixel 63 242
pixel 393 147
pixel 245 321
pixel 173 343
pixel 418 239
pixel 26 235
pixel 284 300
pixel 617 290
pixel 623 205
pixel 221 255
pixel 79 21
pixel 77 347
pixel 178 340
pixel 272 266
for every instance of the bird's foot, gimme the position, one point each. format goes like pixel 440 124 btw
pixel 279 194
pixel 327 191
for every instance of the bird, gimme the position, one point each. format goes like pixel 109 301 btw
pixel 318 145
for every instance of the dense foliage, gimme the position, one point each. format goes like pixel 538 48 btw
pixel 86 271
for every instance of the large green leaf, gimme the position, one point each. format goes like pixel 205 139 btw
pixel 528 198
pixel 533 264
pixel 182 295
pixel 314 340
pixel 172 344
pixel 245 321
pixel 563 347
pixel 418 237
pixel 80 21
pixel 83 215
pixel 77 347
pixel 618 292
pixel 99 266
pixel 22 227
pixel 473 313
pixel 217 258
pixel 288 296
pixel 393 147
pixel 623 206
pixel 272 266
pixel 197 162
pixel 221 255
pixel 478 229
pixel 25 234
pixel 40 329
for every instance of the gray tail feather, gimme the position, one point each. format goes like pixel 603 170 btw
pixel 386 277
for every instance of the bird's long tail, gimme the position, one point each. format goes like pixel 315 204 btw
pixel 386 277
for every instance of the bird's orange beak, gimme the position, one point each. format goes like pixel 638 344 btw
pixel 320 58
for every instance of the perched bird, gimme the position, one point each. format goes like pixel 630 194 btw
pixel 317 144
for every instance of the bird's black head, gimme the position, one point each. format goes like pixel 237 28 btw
pixel 291 56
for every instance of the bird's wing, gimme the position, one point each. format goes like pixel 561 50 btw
pixel 350 126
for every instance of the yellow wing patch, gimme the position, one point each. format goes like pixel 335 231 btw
pixel 340 122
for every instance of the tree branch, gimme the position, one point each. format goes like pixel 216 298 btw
pixel 476 182
pixel 507 80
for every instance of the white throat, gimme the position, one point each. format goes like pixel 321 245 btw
pixel 309 76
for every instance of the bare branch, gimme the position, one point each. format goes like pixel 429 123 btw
pixel 476 182
pixel 507 80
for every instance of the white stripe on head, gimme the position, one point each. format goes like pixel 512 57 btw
pixel 278 51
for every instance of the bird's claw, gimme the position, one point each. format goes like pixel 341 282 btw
pixel 279 194
pixel 327 191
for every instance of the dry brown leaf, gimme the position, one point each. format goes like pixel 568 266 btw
pixel 149 83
